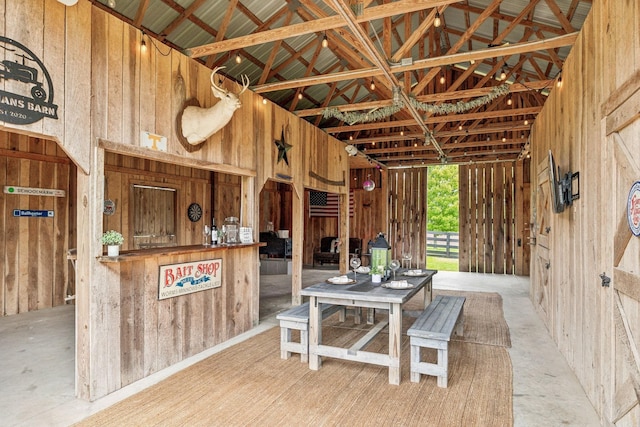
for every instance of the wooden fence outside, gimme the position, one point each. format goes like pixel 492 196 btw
pixel 444 244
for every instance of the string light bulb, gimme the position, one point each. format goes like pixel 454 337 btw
pixel 526 122
pixel 509 101
pixel 503 75
pixel 372 85
pixel 264 101
pixel 238 58
pixel 325 41
pixel 559 82
pixel 299 95
pixel 442 79
pixel 111 4
pixel 143 45
pixel 437 21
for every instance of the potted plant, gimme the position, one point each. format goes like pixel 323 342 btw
pixel 113 240
pixel 376 273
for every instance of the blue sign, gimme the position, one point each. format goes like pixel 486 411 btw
pixel 30 213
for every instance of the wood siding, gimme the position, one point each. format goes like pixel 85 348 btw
pixel 591 323
pixel 491 200
pixel 34 272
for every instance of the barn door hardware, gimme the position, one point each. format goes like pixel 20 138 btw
pixel 605 280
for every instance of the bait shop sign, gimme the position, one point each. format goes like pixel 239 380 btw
pixel 189 277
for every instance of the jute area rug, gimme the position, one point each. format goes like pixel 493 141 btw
pixel 248 384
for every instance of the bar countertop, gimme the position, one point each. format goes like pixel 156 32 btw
pixel 175 250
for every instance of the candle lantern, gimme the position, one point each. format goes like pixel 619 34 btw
pixel 380 256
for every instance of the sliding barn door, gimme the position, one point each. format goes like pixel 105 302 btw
pixel 623 128
pixel 541 228
pixel 488 241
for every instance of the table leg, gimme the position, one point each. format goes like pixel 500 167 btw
pixel 395 342
pixel 428 294
pixel 315 333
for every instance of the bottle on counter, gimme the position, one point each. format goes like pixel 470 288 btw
pixel 214 232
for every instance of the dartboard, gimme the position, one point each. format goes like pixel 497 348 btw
pixel 194 212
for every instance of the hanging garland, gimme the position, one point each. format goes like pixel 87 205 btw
pixel 351 117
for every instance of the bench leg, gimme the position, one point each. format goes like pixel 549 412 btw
pixel 285 338
pixel 415 360
pixel 304 343
pixel 443 363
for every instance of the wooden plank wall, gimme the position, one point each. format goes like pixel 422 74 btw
pixel 488 216
pixel 407 227
pixel 582 319
pixel 29 282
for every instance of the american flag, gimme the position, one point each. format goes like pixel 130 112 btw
pixel 326 204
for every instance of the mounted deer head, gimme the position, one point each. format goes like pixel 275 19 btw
pixel 200 123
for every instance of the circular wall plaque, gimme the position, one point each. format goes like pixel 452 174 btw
pixel 194 212
pixel 633 208
pixel 109 207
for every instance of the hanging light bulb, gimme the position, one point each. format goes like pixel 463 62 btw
pixel 401 133
pixel 460 127
pixel 442 79
pixel 350 137
pixel 238 58
pixel 264 101
pixel 325 41
pixel 372 85
pixel 503 75
pixel 143 45
pixel 559 82
pixel 472 61
pixel 111 4
pixel 509 101
pixel 437 21
pixel 526 122
pixel 300 95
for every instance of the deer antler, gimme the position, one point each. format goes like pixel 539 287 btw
pixel 213 80
pixel 245 83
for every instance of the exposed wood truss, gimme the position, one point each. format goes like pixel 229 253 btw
pixel 380 49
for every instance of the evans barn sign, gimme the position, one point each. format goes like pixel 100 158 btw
pixel 185 278
pixel 27 93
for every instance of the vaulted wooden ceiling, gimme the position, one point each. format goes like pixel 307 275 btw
pixel 386 61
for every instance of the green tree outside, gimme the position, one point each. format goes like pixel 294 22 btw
pixel 442 198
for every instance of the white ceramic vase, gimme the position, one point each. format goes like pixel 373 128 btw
pixel 113 250
pixel 376 278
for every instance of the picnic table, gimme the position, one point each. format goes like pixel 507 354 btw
pixel 364 294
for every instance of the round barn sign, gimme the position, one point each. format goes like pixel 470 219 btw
pixel 633 208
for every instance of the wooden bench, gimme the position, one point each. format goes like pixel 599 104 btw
pixel 298 318
pixel 433 329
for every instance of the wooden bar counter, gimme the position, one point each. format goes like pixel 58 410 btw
pixel 150 330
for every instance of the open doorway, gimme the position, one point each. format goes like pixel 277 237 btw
pixel 442 218
pixel 275 258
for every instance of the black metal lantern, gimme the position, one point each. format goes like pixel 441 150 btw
pixel 380 256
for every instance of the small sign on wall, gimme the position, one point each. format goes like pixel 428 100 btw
pixel 185 278
pixel 30 213
pixel 153 141
pixel 31 191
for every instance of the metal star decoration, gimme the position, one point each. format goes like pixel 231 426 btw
pixel 283 147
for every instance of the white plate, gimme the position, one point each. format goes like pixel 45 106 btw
pixel 340 280
pixel 398 284
pixel 416 273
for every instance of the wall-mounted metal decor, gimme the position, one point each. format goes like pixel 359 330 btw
pixel 633 208
pixel 31 97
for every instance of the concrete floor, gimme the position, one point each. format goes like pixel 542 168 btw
pixel 37 351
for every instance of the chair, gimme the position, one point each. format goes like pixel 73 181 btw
pixel 325 254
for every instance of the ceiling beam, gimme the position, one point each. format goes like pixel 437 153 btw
pixel 478 55
pixel 318 25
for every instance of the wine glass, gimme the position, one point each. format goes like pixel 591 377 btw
pixel 355 263
pixel 206 233
pixel 394 265
pixel 406 256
